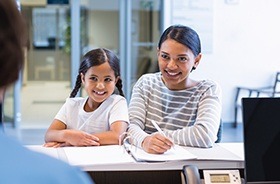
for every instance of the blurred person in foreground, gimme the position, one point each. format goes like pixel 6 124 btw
pixel 19 164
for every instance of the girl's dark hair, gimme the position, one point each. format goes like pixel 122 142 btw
pixel 94 58
pixel 183 35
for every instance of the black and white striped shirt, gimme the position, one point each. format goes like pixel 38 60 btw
pixel 190 117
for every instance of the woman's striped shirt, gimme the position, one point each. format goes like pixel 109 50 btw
pixel 190 117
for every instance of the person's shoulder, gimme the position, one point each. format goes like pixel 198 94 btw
pixel 75 101
pixel 45 164
pixel 150 78
pixel 117 98
pixel 21 158
pixel 209 83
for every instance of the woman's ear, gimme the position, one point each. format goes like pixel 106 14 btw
pixel 157 51
pixel 197 60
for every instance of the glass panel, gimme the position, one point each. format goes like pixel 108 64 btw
pixel 101 26
pixel 46 76
pixel 145 27
pixel 8 109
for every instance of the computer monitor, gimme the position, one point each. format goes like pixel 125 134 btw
pixel 261 121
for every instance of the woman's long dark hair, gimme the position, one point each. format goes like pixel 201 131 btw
pixel 184 35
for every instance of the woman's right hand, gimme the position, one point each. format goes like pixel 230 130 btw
pixel 80 138
pixel 156 143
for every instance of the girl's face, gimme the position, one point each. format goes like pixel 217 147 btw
pixel 99 83
pixel 175 63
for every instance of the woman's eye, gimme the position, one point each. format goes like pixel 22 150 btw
pixel 182 59
pixel 164 56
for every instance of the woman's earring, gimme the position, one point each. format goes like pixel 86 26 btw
pixel 193 68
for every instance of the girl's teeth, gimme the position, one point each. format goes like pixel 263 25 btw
pixel 99 93
pixel 172 73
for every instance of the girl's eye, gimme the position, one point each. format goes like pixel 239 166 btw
pixel 93 78
pixel 164 56
pixel 108 80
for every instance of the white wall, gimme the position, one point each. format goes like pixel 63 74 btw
pixel 246 47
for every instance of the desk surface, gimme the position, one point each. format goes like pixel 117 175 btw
pixel 220 156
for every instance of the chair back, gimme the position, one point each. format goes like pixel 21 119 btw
pixel 276 87
pixel 220 131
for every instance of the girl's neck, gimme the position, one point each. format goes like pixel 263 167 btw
pixel 91 106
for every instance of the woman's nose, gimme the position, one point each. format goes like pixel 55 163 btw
pixel 172 64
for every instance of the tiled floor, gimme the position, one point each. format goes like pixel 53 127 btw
pixel 36 136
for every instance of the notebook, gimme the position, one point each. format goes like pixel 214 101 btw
pixel 175 153
pixel 261 122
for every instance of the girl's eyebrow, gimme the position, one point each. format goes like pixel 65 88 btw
pixel 93 75
pixel 108 76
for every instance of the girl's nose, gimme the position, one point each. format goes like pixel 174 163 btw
pixel 100 85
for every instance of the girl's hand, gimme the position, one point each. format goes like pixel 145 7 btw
pixel 156 144
pixel 52 144
pixel 80 138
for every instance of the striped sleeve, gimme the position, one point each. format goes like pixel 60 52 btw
pixel 190 117
pixel 203 132
pixel 137 114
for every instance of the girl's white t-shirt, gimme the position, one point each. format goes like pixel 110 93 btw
pixel 113 109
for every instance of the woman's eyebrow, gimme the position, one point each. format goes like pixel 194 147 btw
pixel 182 55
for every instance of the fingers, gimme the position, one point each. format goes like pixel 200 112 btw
pixel 90 142
pixel 156 144
pixel 164 139
pixel 92 137
pixel 52 144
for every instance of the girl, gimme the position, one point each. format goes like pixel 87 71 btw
pixel 98 119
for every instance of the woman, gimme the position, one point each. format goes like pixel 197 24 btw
pixel 188 111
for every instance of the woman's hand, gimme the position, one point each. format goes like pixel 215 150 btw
pixel 80 138
pixel 156 143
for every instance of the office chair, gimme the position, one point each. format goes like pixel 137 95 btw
pixel 220 131
pixel 190 175
pixel 268 91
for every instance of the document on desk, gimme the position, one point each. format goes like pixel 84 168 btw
pixel 217 152
pixel 48 151
pixel 111 154
pixel 175 153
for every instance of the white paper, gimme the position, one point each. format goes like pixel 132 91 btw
pixel 45 150
pixel 175 153
pixel 217 152
pixel 111 154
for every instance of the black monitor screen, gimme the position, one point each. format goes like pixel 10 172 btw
pixel 261 119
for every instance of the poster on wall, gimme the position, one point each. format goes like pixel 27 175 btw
pixel 197 14
pixel 49 25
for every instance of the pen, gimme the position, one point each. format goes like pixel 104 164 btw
pixel 157 127
pixel 160 131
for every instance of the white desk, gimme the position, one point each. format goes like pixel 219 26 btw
pixel 221 156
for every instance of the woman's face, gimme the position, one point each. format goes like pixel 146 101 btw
pixel 175 63
pixel 99 82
